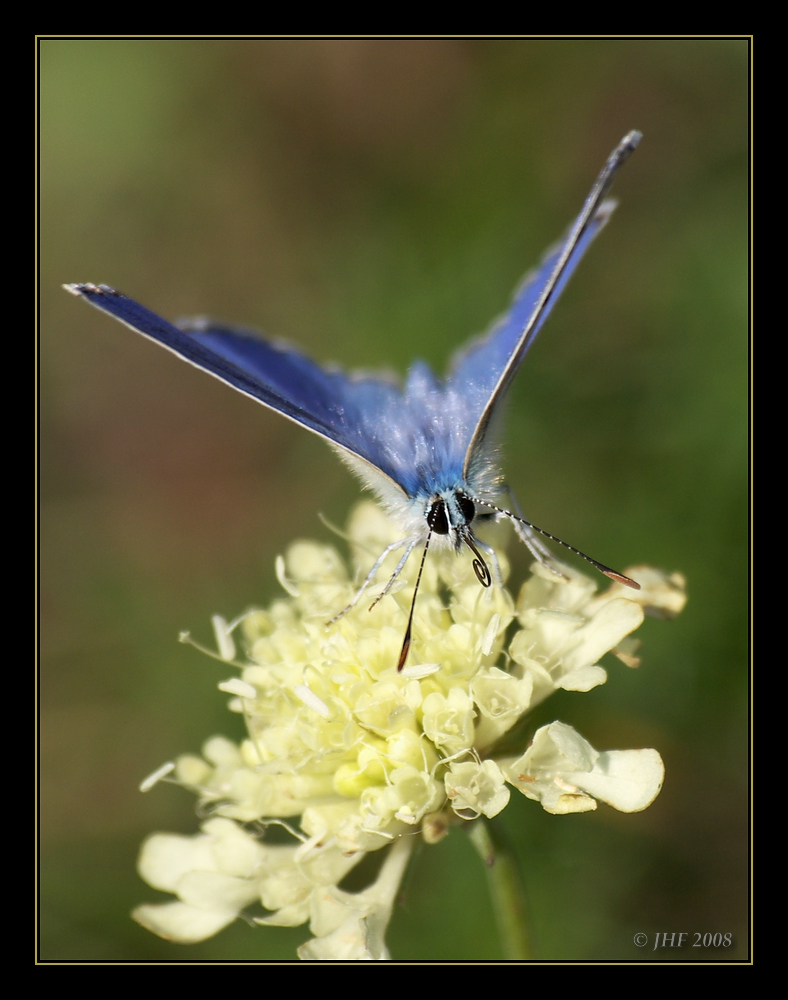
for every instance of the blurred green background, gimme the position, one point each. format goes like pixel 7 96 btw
pixel 373 201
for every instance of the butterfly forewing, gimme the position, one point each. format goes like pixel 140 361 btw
pixel 422 439
pixel 480 366
pixel 590 220
pixel 338 407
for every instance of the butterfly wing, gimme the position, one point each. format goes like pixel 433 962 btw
pixel 483 371
pixel 417 442
pixel 478 367
pixel 350 412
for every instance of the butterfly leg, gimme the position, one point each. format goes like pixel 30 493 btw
pixel 531 539
pixel 371 575
pixel 411 543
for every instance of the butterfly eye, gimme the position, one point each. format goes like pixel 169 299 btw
pixel 467 507
pixel 437 519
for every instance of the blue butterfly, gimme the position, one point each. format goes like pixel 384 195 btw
pixel 424 449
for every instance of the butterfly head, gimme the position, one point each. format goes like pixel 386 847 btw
pixel 450 513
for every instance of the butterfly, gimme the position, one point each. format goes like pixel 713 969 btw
pixel 425 449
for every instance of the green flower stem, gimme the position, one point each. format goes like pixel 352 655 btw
pixel 507 891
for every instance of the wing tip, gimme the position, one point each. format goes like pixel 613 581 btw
pixel 605 210
pixel 83 288
pixel 622 153
pixel 631 140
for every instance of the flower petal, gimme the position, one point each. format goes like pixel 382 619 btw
pixel 217 892
pixel 475 789
pixel 348 943
pixel 582 679
pixel 628 780
pixel 166 857
pixel 182 923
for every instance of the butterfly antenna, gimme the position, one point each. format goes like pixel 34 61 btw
pixel 406 641
pixel 605 570
pixel 480 567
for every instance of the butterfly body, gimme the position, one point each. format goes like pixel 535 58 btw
pixel 424 423
pixel 425 449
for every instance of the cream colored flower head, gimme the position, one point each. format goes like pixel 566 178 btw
pixel 354 756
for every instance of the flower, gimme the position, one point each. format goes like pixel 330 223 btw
pixel 365 757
